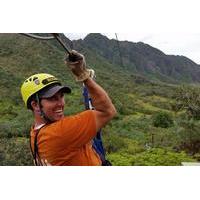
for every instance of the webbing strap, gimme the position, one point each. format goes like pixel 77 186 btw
pixel 97 141
pixel 35 152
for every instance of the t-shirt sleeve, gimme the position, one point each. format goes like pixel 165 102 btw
pixel 76 131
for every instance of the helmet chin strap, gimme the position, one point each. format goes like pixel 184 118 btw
pixel 46 119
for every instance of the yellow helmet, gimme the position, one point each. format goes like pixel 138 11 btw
pixel 36 83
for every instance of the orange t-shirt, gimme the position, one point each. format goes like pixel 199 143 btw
pixel 68 141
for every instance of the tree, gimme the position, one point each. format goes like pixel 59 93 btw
pixel 188 98
pixel 190 136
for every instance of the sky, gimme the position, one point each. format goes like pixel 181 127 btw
pixel 171 26
pixel 185 44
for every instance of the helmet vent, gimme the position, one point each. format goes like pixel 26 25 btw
pixel 34 78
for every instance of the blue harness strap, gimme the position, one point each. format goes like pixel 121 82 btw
pixel 97 141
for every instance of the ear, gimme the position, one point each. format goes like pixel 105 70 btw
pixel 35 106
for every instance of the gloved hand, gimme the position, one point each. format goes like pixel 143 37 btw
pixel 77 64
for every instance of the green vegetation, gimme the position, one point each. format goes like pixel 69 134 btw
pixel 15 151
pixel 157 123
pixel 188 97
pixel 163 120
pixel 153 157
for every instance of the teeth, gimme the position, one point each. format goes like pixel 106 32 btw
pixel 58 111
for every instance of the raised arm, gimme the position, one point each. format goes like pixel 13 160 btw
pixel 104 109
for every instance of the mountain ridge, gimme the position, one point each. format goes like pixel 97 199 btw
pixel 143 59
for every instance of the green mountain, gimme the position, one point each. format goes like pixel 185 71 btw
pixel 138 78
pixel 145 60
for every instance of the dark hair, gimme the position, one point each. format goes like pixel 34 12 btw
pixel 32 98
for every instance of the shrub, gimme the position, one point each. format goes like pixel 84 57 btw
pixel 119 159
pixel 152 157
pixel 163 120
pixel 15 152
pixel 160 157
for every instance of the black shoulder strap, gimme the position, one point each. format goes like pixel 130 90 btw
pixel 35 152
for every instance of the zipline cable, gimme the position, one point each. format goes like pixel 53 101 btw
pixel 37 36
pixel 120 54
pixel 54 36
pixel 58 38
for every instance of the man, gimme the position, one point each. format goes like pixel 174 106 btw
pixel 59 140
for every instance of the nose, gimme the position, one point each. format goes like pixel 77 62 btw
pixel 61 101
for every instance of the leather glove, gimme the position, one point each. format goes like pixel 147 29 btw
pixel 77 64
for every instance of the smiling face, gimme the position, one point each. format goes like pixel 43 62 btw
pixel 53 107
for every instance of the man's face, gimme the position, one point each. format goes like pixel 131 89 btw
pixel 53 107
